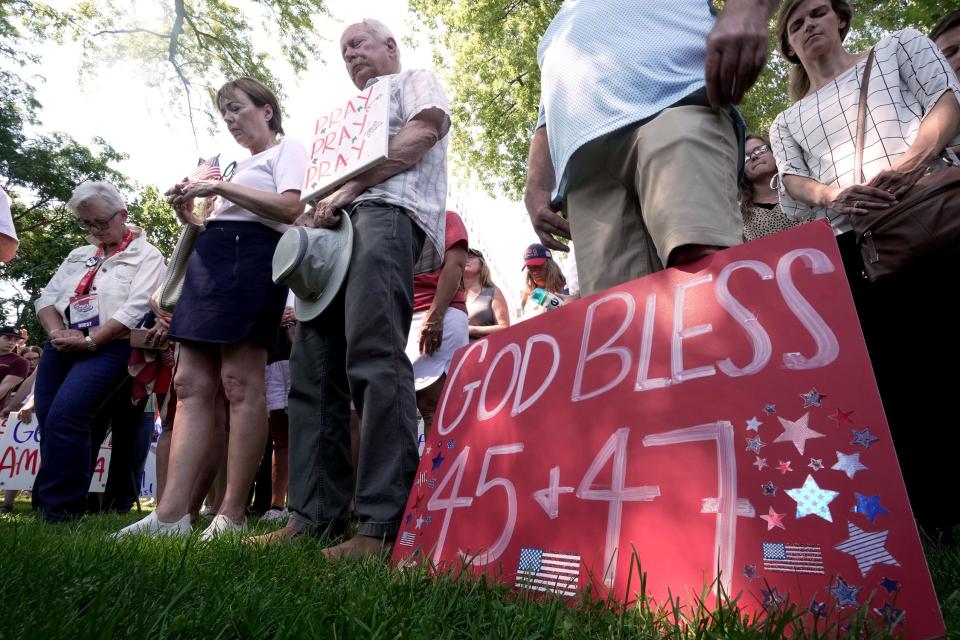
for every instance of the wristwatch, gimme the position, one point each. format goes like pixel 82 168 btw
pixel 91 345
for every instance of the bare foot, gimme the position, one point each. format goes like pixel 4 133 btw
pixel 284 534
pixel 357 547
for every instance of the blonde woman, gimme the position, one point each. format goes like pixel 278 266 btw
pixel 486 306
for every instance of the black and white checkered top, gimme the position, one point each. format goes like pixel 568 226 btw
pixel 815 137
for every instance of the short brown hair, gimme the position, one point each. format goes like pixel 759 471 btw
pixel 946 23
pixel 259 94
pixel 799 80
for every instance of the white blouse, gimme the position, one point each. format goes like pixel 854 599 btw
pixel 816 137
pixel 124 283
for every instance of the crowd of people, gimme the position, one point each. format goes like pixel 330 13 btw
pixel 297 394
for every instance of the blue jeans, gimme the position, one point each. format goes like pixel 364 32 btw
pixel 70 390
pixel 355 350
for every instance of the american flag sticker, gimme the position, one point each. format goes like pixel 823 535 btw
pixel 407 538
pixel 548 571
pixel 421 478
pixel 792 558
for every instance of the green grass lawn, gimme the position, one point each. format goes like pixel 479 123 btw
pixel 73 581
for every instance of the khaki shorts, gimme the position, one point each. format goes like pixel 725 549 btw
pixel 635 195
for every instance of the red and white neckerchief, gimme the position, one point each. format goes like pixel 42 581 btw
pixel 96 261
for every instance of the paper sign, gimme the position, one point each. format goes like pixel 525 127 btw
pixel 20 457
pixel 721 420
pixel 348 138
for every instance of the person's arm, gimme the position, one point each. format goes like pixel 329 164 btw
pixel 939 127
pixel 279 207
pixel 737 49
pixel 8 384
pixel 148 278
pixel 451 273
pixel 22 393
pixel 500 313
pixel 8 247
pixel 26 413
pixel 404 150
pixel 537 195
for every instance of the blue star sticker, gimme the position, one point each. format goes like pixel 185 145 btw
pixel 870 507
pixel 749 571
pixel 890 585
pixel 889 614
pixel 845 594
pixel 437 461
pixel 864 438
pixel 769 409
pixel 812 398
pixel 818 609
pixel 755 444
pixel 409 518
pixel 753 424
pixel 772 598
pixel 769 489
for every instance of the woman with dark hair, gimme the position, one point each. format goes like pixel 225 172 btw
pixel 759 202
pixel 946 35
pixel 486 306
pixel 229 311
pixel 912 114
pixel 541 273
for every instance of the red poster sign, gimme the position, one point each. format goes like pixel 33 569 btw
pixel 722 421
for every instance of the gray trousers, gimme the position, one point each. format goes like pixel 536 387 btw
pixel 355 350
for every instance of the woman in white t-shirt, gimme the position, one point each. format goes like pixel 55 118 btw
pixel 227 316
pixel 912 114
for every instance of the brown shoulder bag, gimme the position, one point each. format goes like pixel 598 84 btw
pixel 924 224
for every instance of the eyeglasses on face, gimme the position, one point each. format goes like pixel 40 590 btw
pixel 756 153
pixel 89 225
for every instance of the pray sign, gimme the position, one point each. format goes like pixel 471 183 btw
pixel 721 420
pixel 348 138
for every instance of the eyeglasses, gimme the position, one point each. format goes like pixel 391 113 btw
pixel 90 225
pixel 756 153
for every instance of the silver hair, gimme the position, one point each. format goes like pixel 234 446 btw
pixel 86 191
pixel 381 31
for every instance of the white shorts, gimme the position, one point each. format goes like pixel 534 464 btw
pixel 277 384
pixel 426 369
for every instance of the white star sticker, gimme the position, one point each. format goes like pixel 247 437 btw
pixel 797 432
pixel 849 464
pixel 419 522
pixel 812 500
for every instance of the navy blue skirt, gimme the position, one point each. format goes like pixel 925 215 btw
pixel 228 295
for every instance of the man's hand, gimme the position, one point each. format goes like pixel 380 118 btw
pixel 860 199
pixel 546 222
pixel 737 50
pixel 431 335
pixel 327 212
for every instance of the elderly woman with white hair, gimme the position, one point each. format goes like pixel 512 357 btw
pixel 98 294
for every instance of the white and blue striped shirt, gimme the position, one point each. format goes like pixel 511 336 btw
pixel 605 64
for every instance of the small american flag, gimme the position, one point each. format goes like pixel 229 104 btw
pixel 548 571
pixel 407 538
pixel 421 478
pixel 208 169
pixel 792 558
pixel 432 482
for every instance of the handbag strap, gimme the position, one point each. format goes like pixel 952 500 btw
pixel 862 120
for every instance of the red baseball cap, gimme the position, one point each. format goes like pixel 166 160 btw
pixel 536 255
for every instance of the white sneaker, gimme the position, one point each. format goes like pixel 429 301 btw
pixel 275 514
pixel 222 525
pixel 152 526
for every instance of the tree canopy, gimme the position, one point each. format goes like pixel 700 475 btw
pixel 491 48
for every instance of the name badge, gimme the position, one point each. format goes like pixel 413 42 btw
pixel 84 311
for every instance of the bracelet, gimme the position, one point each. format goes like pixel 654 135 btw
pixel 91 345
